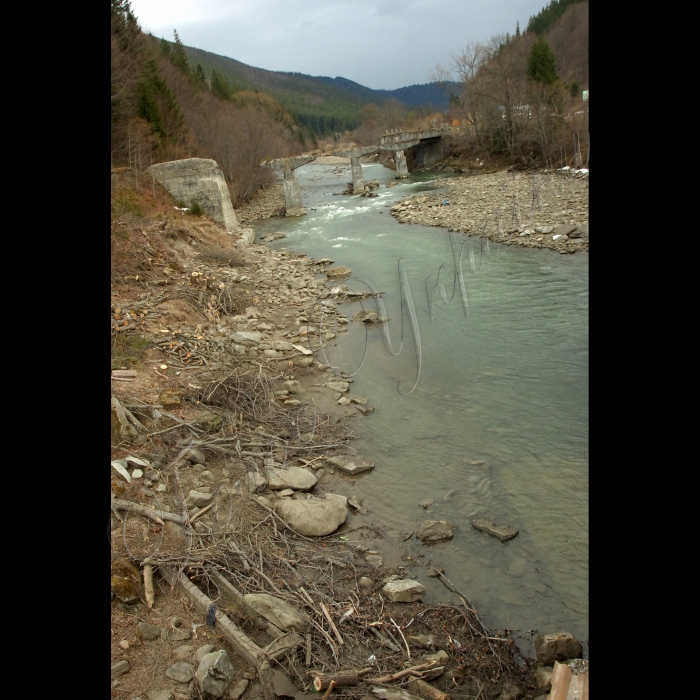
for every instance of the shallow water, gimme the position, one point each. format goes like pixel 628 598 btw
pixel 497 425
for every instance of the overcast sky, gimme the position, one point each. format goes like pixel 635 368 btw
pixel 378 43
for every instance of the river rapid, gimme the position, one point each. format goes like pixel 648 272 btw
pixel 497 425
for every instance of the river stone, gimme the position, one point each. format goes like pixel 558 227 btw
pixel 277 611
pixel 364 410
pixel 342 387
pixel 165 694
pixel 503 532
pixel 565 230
pixel 238 689
pixel 339 271
pixel 543 677
pixel 365 582
pixel 246 337
pixel 184 651
pixel 120 668
pixel 440 657
pixel 202 652
pixel 200 498
pixel 214 674
pixel 337 496
pixel 435 531
pixel 405 591
pixel 126 581
pixel 282 345
pixel 195 456
pixel 350 464
pixel 374 560
pixel 313 518
pixel 255 481
pixel 293 387
pixel 146 631
pixel 297 478
pixel 181 672
pixel 285 492
pixel 558 646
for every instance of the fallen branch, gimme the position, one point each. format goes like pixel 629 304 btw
pixel 408 651
pixel 332 624
pixel 240 642
pixel 426 691
pixel 400 674
pixel 141 510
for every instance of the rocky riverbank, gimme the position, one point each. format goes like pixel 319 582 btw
pixel 232 504
pixel 535 210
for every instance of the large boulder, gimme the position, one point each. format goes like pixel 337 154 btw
pixel 277 611
pixel 296 478
pixel 315 517
pixel 435 531
pixel 557 646
pixel 406 591
pixel 214 674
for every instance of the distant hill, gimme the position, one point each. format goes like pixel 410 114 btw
pixel 326 105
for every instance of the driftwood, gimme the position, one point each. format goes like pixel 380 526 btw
pixel 148 585
pixel 147 512
pixel 242 644
pixel 426 691
pixel 332 624
pixel 231 593
pixel 342 678
pixel 401 674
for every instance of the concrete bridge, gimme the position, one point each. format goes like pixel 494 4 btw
pixel 429 145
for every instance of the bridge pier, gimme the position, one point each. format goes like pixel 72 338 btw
pixel 293 203
pixel 358 182
pixel 401 166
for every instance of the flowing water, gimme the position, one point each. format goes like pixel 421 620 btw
pixel 497 425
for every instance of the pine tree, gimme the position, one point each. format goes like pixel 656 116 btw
pixel 200 74
pixel 220 86
pixel 517 29
pixel 542 64
pixel 179 57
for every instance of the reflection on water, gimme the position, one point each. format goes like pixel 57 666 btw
pixel 498 424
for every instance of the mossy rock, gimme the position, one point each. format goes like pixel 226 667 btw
pixel 169 400
pixel 126 581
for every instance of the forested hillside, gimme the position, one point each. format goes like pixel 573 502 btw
pixel 162 110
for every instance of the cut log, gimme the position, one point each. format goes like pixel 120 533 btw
pixel 426 691
pixel 342 679
pixel 241 643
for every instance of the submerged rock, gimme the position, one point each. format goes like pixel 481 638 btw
pixel 435 531
pixel 351 465
pixel 503 532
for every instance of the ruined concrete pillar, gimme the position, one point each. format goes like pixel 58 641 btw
pixel 292 195
pixel 198 180
pixel 401 167
pixel 358 183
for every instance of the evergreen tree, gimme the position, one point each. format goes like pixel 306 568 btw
pixel 200 75
pixel 541 64
pixel 165 48
pixel 179 57
pixel 517 29
pixel 220 86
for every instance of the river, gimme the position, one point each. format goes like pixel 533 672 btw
pixel 497 425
